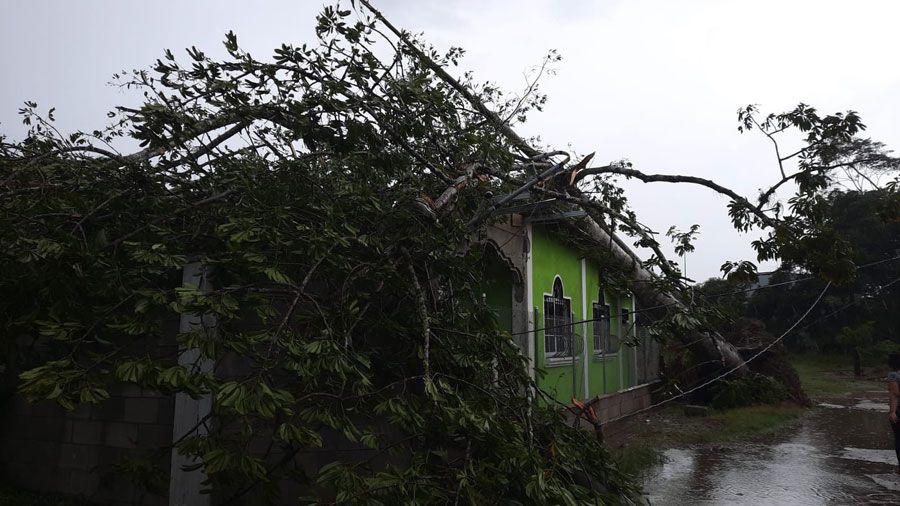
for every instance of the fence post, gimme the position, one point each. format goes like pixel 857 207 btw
pixel 185 486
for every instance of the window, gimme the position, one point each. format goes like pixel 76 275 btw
pixel 627 325
pixel 602 330
pixel 605 342
pixel 558 333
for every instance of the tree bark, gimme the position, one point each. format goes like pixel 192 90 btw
pixel 711 346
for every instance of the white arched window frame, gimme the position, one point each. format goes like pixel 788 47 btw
pixel 558 330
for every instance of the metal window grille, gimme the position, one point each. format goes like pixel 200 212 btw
pixel 626 324
pixel 558 331
pixel 613 341
pixel 602 329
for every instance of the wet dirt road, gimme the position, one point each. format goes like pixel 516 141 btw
pixel 839 453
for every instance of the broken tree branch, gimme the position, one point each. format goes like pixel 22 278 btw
pixel 666 178
pixel 479 106
pixel 547 174
pixel 422 308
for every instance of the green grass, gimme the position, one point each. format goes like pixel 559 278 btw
pixel 641 448
pixel 822 376
pixel 753 420
pixel 638 457
pixel 827 375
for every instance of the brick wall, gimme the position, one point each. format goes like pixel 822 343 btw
pixel 43 447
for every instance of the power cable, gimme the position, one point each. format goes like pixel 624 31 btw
pixel 756 355
pixel 733 369
pixel 714 296
pixel 844 307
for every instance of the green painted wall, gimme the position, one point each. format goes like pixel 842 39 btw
pixel 551 258
pixel 603 370
pixel 606 374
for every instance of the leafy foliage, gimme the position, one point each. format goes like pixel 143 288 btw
pixel 342 303
pixel 332 199
pixel 750 391
pixel 872 296
pixel 830 154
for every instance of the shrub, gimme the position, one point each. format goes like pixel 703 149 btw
pixel 749 391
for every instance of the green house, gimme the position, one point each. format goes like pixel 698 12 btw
pixel 582 338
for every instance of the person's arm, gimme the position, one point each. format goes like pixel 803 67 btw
pixel 894 389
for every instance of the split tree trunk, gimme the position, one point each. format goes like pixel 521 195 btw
pixel 710 346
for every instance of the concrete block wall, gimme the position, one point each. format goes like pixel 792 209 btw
pixel 45 448
pixel 611 406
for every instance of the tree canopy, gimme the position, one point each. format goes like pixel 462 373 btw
pixel 335 194
pixel 861 313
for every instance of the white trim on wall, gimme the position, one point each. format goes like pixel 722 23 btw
pixel 621 340
pixel 634 332
pixel 598 357
pixel 529 291
pixel 185 486
pixel 585 363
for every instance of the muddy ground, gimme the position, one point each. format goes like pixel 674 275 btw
pixel 839 451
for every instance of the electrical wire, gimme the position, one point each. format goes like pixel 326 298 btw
pixel 844 307
pixel 733 369
pixel 713 296
pixel 754 356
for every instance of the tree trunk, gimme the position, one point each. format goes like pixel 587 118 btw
pixel 713 347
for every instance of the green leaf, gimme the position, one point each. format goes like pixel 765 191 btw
pixel 277 276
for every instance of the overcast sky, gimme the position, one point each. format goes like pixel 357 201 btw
pixel 657 82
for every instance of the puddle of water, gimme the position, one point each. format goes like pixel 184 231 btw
pixel 833 456
pixel 684 457
pixel 831 406
pixel 869 455
pixel 871 405
pixel 888 481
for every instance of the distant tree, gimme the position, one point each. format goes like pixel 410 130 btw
pixel 727 296
pixel 861 336
pixel 872 296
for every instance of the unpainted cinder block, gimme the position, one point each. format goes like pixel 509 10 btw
pixel 154 436
pixel 121 435
pixel 81 457
pixel 141 410
pixel 80 482
pixel 87 432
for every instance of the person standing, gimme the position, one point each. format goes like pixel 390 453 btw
pixel 894 392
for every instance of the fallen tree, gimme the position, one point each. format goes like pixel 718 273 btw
pixel 332 195
pixel 804 238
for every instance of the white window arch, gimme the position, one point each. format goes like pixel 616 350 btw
pixel 558 331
